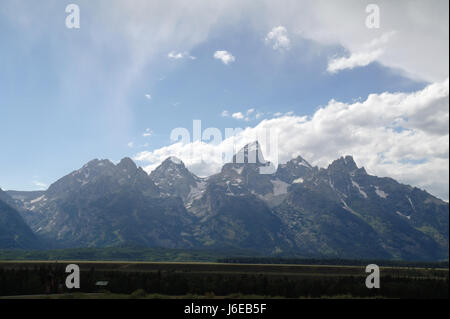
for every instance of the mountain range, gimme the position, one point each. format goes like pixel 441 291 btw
pixel 302 210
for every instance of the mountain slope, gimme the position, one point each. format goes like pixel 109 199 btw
pixel 14 232
pixel 103 204
pixel 172 177
pixel 337 216
pixel 339 211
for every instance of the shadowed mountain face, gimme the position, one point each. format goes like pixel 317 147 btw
pixel 172 177
pixel 339 211
pixel 103 204
pixel 14 232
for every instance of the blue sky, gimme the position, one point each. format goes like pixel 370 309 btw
pixel 71 95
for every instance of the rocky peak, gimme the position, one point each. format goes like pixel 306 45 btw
pixel 4 197
pixel 300 161
pixel 249 154
pixel 127 164
pixel 173 178
pixel 346 164
pixel 295 169
pixel 97 163
pixel 172 161
pixel 171 169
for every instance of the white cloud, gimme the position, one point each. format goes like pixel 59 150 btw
pixel 355 60
pixel 278 38
pixel 175 55
pixel 238 115
pixel 177 23
pixel 130 144
pixel 148 96
pixel 421 47
pixel 370 52
pixel 225 56
pixel 40 185
pixel 180 55
pixel 386 133
pixel 147 133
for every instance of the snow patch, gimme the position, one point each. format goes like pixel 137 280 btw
pixel 348 208
pixel 279 187
pixel 329 182
pixel 403 215
pixel 238 170
pixel 197 191
pixel 363 193
pixel 301 162
pixel 410 202
pixel 298 181
pixel 37 199
pixel 380 193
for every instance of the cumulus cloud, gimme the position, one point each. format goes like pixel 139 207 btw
pixel 225 56
pixel 148 96
pixel 225 113
pixel 278 38
pixel 401 135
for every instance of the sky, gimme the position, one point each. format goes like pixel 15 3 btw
pixel 311 71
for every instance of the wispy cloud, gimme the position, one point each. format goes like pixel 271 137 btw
pixel 370 52
pixel 243 115
pixel 40 185
pixel 180 55
pixel 148 132
pixel 355 60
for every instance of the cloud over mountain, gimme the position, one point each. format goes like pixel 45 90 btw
pixel 403 135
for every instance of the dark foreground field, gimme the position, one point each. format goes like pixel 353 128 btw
pixel 144 279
